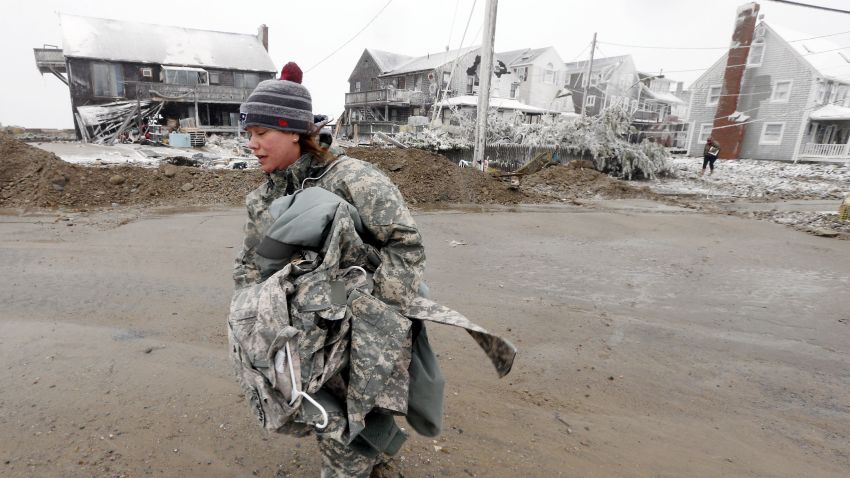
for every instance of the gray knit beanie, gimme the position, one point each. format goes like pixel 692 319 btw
pixel 278 104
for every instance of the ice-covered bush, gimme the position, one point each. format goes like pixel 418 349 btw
pixel 602 139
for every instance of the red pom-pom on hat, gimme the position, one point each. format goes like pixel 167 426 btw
pixel 291 72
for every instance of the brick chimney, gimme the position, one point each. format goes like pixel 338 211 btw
pixel 731 137
pixel 263 35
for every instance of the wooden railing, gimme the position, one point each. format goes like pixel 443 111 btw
pixel 385 96
pixel 834 151
pixel 49 58
pixel 189 94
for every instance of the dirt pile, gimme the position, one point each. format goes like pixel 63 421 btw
pixel 426 177
pixel 577 180
pixel 33 178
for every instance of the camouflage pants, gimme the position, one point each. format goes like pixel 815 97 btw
pixel 344 461
pixel 341 461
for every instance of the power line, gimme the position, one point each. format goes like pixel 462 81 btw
pixel 439 105
pixel 579 54
pixel 826 51
pixel 819 36
pixel 662 47
pixel 780 116
pixel 658 47
pixel 452 27
pixel 817 7
pixel 352 38
pixel 744 64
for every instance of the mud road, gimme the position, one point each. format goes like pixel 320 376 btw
pixel 653 342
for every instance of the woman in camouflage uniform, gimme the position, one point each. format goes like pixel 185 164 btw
pixel 278 116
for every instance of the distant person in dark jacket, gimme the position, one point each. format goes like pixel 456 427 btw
pixel 709 155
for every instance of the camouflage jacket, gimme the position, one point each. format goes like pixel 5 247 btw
pixel 323 309
pixel 388 224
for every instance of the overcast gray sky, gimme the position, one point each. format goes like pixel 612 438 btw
pixel 306 32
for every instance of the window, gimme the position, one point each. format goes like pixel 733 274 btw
pixel 418 85
pixel 821 92
pixel 842 95
pixel 713 95
pixel 189 76
pixel 514 88
pixel 781 91
pixel 446 77
pixel 771 133
pixel 756 54
pixel 522 73
pixel 470 84
pixel 591 100
pixel 107 80
pixel 146 72
pixel 373 84
pixel 246 80
pixel 549 74
pixel 401 82
pixel 704 132
pixel 215 78
pixel 356 86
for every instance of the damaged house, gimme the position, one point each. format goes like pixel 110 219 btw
pixel 386 89
pixel 658 104
pixel 119 73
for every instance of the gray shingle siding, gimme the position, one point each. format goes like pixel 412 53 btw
pixel 779 63
pixel 701 113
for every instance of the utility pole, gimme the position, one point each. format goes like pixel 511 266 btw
pixel 485 73
pixel 589 71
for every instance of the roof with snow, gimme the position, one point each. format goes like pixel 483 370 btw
pixel 520 57
pixel 598 63
pixel 662 96
pixel 830 113
pixel 116 40
pixel 388 61
pixel 829 59
pixel 502 103
pixel 431 61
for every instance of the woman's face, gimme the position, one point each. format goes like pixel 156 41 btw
pixel 275 150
